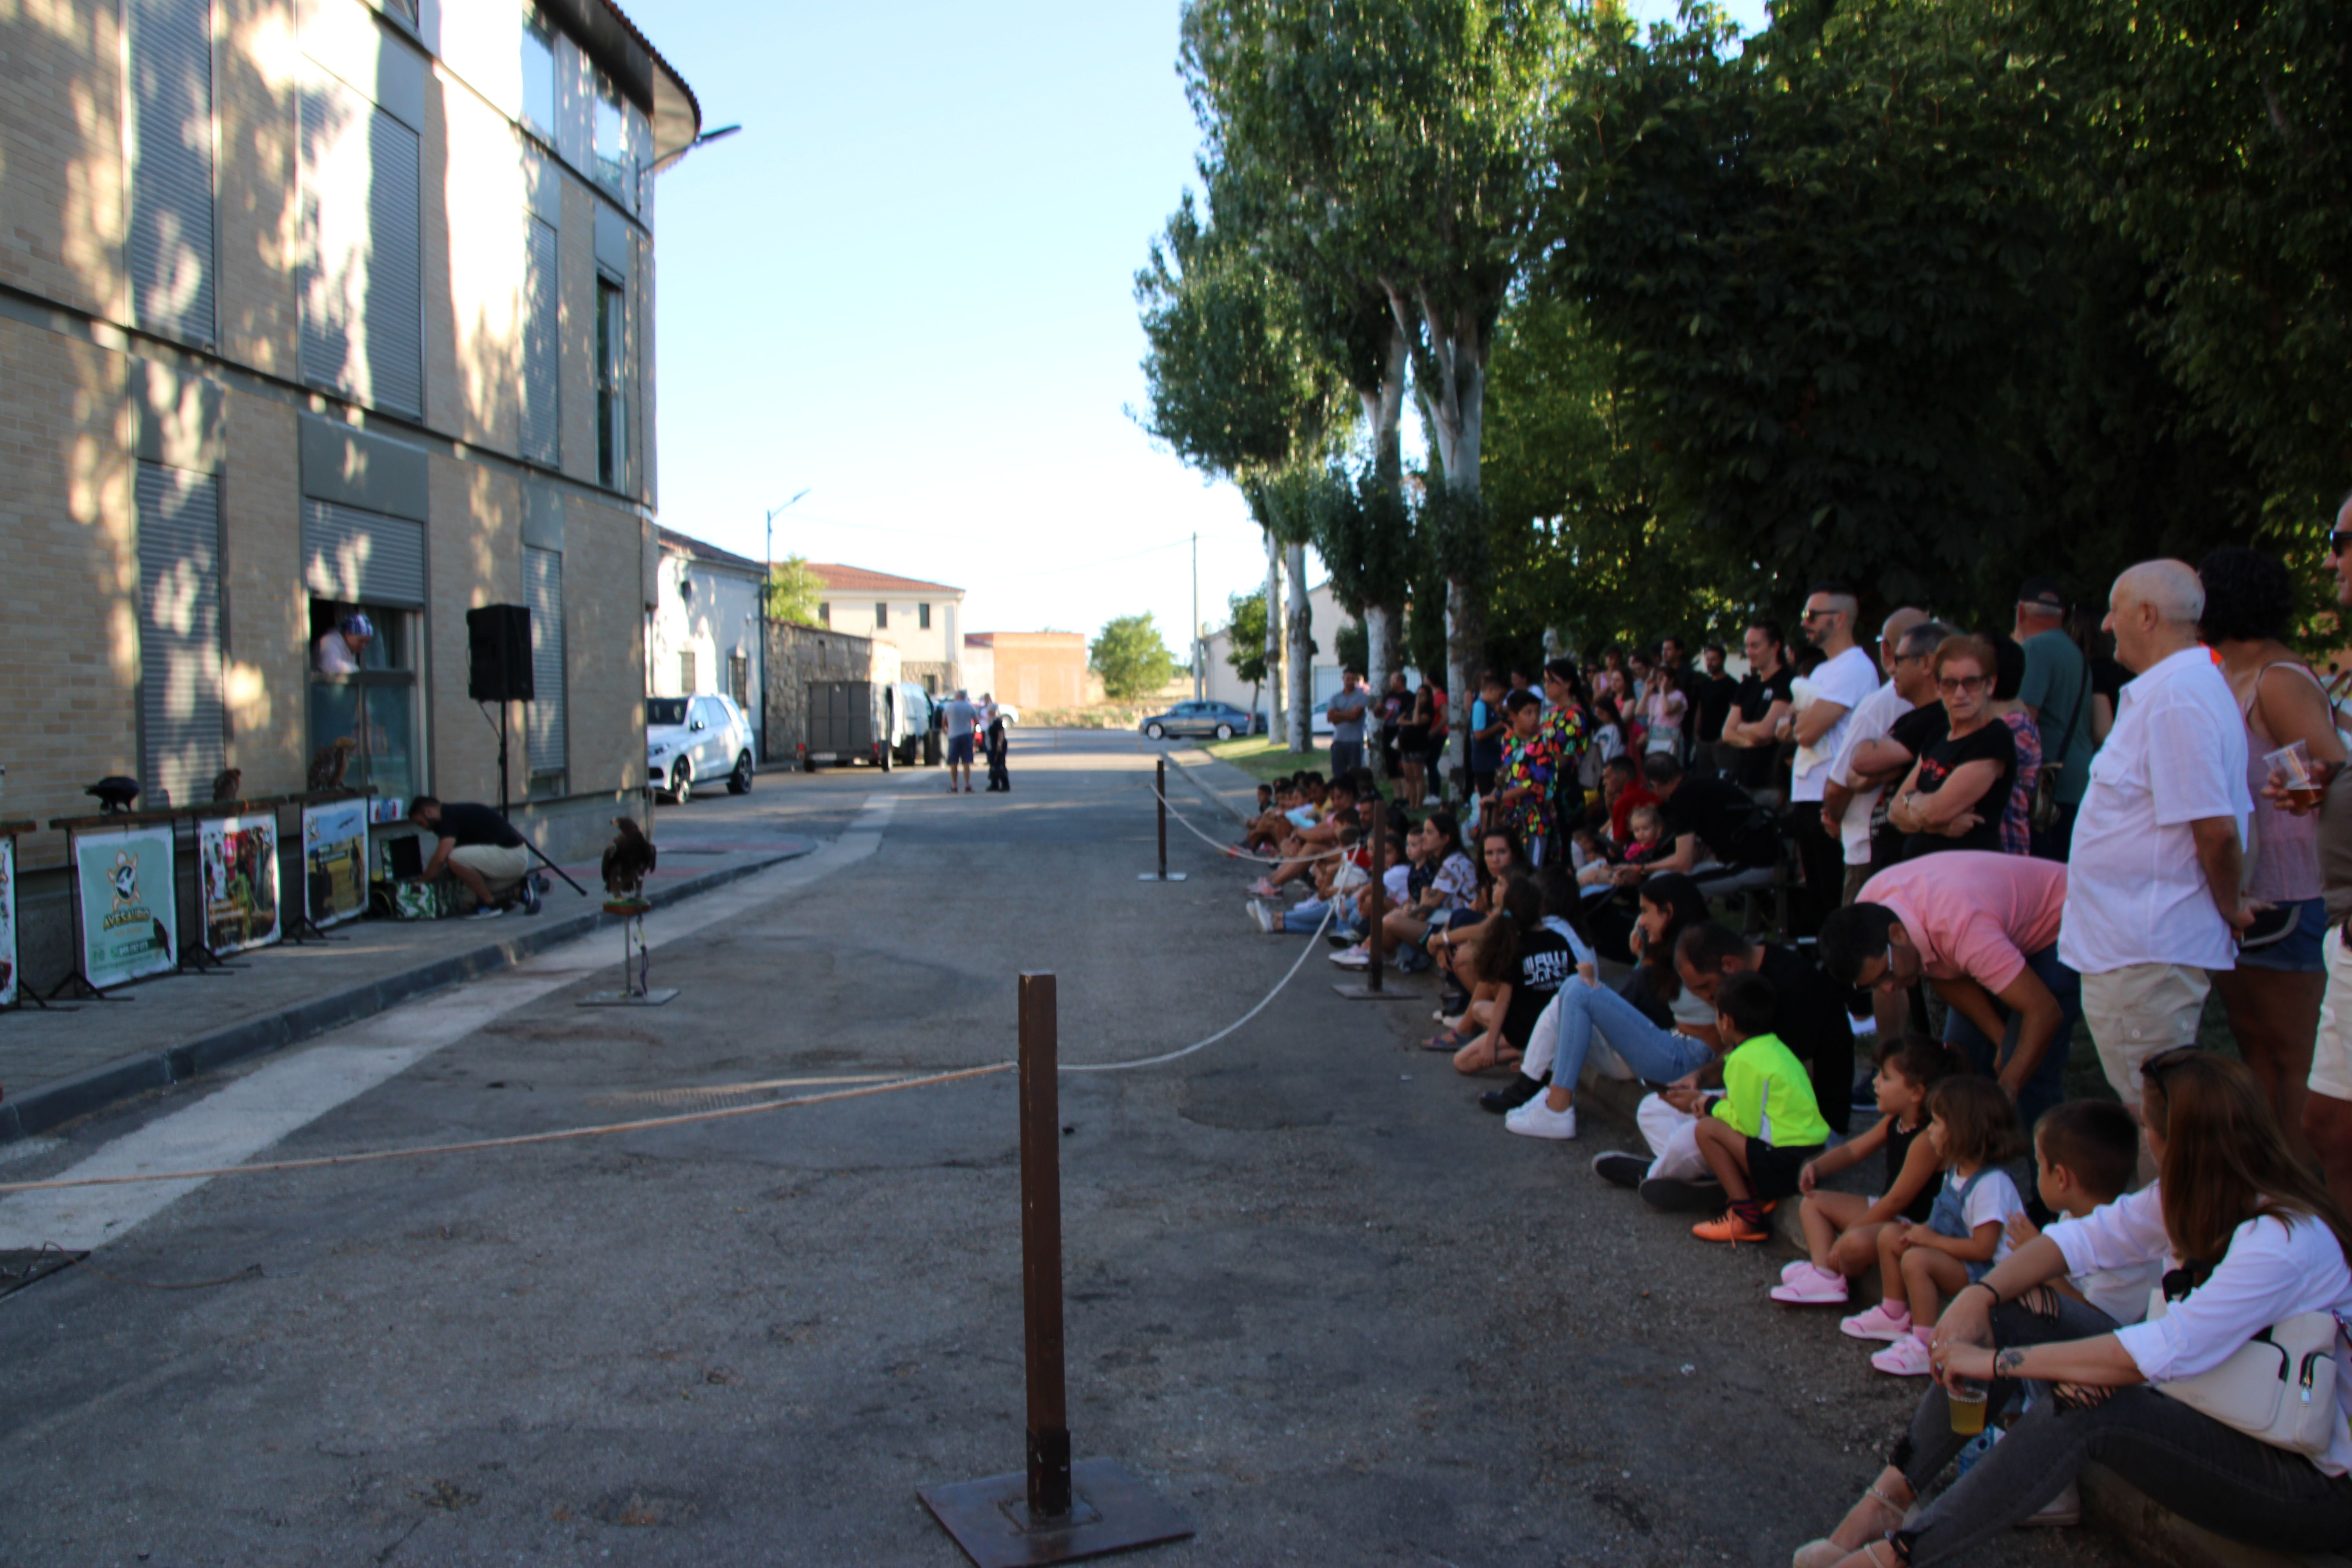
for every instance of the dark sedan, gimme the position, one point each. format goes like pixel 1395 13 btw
pixel 1221 721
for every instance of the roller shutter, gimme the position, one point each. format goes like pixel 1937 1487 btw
pixel 181 721
pixel 170 244
pixel 361 557
pixel 363 276
pixel 542 366
pixel 543 582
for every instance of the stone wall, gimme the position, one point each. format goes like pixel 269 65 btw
pixel 798 655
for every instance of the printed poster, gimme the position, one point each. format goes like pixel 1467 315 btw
pixel 334 861
pixel 129 915
pixel 238 857
pixel 8 920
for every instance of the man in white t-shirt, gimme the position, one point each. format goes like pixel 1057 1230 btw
pixel 961 719
pixel 1906 645
pixel 1846 676
pixel 2152 890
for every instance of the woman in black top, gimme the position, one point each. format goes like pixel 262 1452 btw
pixel 1957 791
pixel 1529 963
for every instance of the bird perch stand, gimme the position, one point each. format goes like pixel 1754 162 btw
pixel 636 961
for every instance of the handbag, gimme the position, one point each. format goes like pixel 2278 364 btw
pixel 2279 1386
pixel 2043 815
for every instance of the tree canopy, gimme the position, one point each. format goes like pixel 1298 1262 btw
pixel 1130 657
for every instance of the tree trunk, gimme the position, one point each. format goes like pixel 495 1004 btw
pixel 1384 621
pixel 1273 635
pixel 1377 622
pixel 1457 410
pixel 1302 663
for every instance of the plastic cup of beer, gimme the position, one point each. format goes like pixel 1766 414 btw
pixel 2290 768
pixel 1968 1401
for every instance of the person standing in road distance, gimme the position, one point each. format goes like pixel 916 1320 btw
pixel 998 781
pixel 961 719
pixel 1347 712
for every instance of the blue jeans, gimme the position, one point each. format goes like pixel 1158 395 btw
pixel 2047 1086
pixel 1306 917
pixel 1658 1056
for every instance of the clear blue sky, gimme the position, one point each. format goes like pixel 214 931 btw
pixel 906 287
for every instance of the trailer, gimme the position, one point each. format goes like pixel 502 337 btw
pixel 888 723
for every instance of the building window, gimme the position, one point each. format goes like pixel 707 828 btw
pixel 612 138
pixel 538 72
pixel 738 679
pixel 179 710
pixel 169 245
pixel 612 403
pixel 686 673
pixel 360 278
pixel 543 717
pixel 823 614
pixel 932 684
pixel 542 348
pixel 367 692
pixel 923 617
pixel 881 616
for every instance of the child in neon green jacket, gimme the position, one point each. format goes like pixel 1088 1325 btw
pixel 1766 1125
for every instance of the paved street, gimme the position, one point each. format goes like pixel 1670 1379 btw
pixel 1320 1302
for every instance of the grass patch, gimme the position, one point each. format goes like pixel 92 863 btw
pixel 1265 758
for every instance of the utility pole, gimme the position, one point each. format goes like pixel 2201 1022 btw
pixel 767 591
pixel 1200 672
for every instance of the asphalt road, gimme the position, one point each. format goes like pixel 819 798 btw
pixel 1316 1298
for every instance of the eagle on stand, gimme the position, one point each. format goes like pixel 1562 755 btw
pixel 627 861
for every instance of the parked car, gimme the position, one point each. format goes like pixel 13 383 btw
pixel 1222 720
pixel 1009 713
pixel 697 740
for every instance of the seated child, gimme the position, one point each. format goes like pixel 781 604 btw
pixel 1648 843
pixel 2085 1153
pixel 1972 1127
pixel 1842 1228
pixel 1312 843
pixel 1767 1125
pixel 1519 963
pixel 1336 878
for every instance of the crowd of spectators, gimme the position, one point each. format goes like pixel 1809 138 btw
pixel 1951 847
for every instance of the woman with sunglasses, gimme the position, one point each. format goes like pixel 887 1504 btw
pixel 1957 790
pixel 2250 1236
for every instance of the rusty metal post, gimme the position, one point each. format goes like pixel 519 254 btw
pixel 1160 795
pixel 1041 1251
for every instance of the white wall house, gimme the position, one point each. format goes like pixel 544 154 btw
pixel 925 619
pixel 1324 619
pixel 705 624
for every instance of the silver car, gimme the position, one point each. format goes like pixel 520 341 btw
pixel 698 739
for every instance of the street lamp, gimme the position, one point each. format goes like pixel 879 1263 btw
pixel 767 591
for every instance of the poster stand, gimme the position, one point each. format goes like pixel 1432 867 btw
pixel 199 950
pixel 11 983
pixel 296 925
pixel 194 957
pixel 76 983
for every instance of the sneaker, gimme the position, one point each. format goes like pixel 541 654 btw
pixel 1353 958
pixel 1504 1100
pixel 1538 1120
pixel 487 912
pixel 1411 960
pixel 1813 1288
pixel 2062 1512
pixel 1261 915
pixel 531 895
pixel 1878 1324
pixel 1619 1169
pixel 1678 1196
pixel 1907 1357
pixel 1264 890
pixel 1729 1228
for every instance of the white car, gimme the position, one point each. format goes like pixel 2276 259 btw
pixel 698 739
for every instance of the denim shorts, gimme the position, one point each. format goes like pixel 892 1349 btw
pixel 2298 951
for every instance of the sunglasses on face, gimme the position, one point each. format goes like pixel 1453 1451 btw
pixel 1953 685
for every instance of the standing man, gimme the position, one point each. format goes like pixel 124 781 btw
pixel 1394 706
pixel 2057 693
pixel 2152 900
pixel 1983 928
pixel 1670 653
pixel 961 719
pixel 1487 723
pixel 1848 799
pixel 1711 695
pixel 1847 675
pixel 1750 747
pixel 482 850
pixel 999 782
pixel 1347 710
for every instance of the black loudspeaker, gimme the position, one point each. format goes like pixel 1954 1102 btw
pixel 498 638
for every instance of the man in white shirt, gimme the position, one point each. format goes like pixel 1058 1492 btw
pixel 340 651
pixel 1846 676
pixel 1847 800
pixel 2152 900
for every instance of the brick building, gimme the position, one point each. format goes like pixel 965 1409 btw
pixel 1039 670
pixel 316 308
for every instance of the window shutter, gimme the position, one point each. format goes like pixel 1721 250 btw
pixel 542 368
pixel 179 633
pixel 171 229
pixel 361 557
pixel 362 280
pixel 542 584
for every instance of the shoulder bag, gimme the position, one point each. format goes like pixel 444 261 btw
pixel 2279 1386
pixel 2043 817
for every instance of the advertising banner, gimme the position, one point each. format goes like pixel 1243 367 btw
pixel 239 857
pixel 8 920
pixel 334 861
pixel 129 915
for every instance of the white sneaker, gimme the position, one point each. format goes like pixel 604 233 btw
pixel 1352 958
pixel 1261 915
pixel 1538 1120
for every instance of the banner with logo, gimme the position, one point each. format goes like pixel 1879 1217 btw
pixel 237 856
pixel 129 915
pixel 7 919
pixel 334 861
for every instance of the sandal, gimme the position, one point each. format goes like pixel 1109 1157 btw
pixel 1451 1040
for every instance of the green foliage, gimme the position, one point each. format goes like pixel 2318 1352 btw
pixel 1247 629
pixel 1130 657
pixel 1352 646
pixel 793 591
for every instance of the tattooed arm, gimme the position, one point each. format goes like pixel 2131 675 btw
pixel 2100 1361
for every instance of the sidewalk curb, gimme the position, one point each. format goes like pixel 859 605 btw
pixel 54 1104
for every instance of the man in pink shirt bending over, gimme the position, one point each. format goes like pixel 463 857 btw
pixel 1983 928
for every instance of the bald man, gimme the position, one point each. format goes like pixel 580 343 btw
pixel 2152 900
pixel 1848 798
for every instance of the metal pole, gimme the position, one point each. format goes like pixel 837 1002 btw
pixel 1160 794
pixel 1200 666
pixel 1379 856
pixel 1041 1251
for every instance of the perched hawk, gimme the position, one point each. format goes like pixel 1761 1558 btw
pixel 326 768
pixel 627 859
pixel 228 784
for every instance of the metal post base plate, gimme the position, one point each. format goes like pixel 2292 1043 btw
pixel 1110 1510
pixel 653 999
pixel 1357 991
pixel 1156 877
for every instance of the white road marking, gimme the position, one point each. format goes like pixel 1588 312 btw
pixel 237 1122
